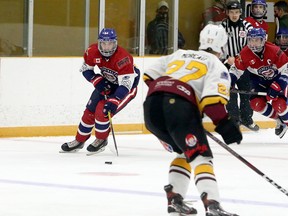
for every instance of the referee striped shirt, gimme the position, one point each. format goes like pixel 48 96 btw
pixel 237 32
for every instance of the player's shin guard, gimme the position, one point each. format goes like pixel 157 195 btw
pixel 85 127
pixel 204 177
pixel 102 124
pixel 179 175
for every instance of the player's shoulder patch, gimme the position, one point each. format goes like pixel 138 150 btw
pixel 124 61
pixel 279 53
pixel 224 75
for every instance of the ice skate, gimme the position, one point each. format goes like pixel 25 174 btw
pixel 213 208
pixel 176 205
pixel 97 146
pixel 71 147
pixel 253 126
pixel 280 128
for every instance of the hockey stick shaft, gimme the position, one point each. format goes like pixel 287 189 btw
pixel 246 163
pixel 112 129
pixel 113 134
pixel 236 91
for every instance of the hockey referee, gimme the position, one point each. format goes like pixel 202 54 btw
pixel 237 29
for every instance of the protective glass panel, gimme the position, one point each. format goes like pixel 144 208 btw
pixel 59 28
pixel 123 16
pixel 12 25
pixel 193 15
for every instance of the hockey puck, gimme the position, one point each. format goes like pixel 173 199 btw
pixel 108 162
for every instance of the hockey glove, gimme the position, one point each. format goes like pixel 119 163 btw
pixel 273 91
pixel 229 131
pixel 111 106
pixel 101 84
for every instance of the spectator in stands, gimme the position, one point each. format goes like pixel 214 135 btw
pixel 281 16
pixel 158 29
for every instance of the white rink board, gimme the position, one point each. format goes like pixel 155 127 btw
pixel 52 92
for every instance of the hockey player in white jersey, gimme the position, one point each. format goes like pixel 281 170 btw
pixel 183 87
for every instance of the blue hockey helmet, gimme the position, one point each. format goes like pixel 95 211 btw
pixel 258 14
pixel 107 42
pixel 256 38
pixel 282 38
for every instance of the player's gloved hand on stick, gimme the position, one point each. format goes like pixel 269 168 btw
pixel 273 91
pixel 111 106
pixel 229 131
pixel 101 84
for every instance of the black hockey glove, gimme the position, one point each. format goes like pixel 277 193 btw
pixel 102 85
pixel 273 91
pixel 229 131
pixel 111 106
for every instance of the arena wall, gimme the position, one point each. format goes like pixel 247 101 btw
pixel 47 96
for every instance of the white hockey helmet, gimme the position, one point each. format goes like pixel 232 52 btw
pixel 213 37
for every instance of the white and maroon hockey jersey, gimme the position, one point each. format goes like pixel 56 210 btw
pixel 203 71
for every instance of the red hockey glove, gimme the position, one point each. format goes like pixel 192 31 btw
pixel 111 106
pixel 101 84
pixel 229 131
pixel 273 91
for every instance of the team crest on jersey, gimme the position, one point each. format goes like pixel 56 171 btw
pixel 242 34
pixel 267 72
pixel 109 75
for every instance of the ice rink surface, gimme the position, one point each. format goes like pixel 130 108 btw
pixel 37 180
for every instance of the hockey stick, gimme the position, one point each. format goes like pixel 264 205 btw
pixel 247 163
pixel 112 129
pixel 113 134
pixel 236 91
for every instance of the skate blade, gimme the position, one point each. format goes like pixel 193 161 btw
pixel 283 132
pixel 97 152
pixel 72 151
pixel 251 129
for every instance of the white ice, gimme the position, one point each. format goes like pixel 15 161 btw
pixel 37 180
